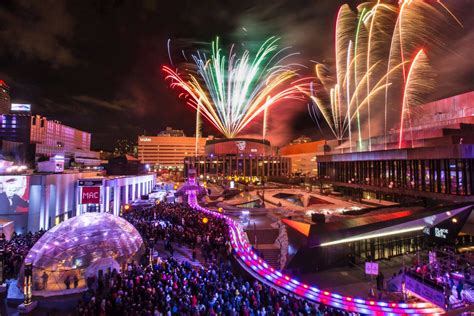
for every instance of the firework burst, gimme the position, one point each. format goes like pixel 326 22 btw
pixel 230 91
pixel 382 71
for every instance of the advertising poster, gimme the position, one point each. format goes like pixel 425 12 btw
pixel 14 194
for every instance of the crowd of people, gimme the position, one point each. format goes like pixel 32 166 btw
pixel 169 287
pixel 179 223
pixel 15 251
pixel 447 271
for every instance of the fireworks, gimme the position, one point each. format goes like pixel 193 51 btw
pixel 231 91
pixel 382 72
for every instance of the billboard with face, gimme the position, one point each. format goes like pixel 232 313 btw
pixel 14 194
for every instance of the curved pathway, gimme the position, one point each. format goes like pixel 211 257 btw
pixel 284 283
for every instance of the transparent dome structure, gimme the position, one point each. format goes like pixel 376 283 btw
pixel 71 248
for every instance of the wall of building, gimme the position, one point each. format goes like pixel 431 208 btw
pixel 168 151
pixel 303 156
pixel 115 192
pixel 238 146
pixel 52 138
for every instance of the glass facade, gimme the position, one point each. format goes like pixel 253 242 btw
pixel 239 165
pixel 445 176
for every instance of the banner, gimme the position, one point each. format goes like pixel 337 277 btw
pixel 425 291
pixel 14 194
pixel 90 195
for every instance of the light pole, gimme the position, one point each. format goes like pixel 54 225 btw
pixel 152 247
pixel 28 304
pixel 2 266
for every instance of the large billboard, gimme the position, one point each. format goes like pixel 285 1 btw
pixel 14 194
pixel 20 107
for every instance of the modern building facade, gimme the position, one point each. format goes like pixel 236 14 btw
pixel 302 153
pixel 168 149
pixel 436 160
pixel 238 157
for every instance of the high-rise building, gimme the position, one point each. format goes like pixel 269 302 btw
pixel 168 149
pixel 4 98
pixel 40 137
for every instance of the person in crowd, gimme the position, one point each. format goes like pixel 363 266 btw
pixel 67 282
pixel 76 281
pixel 44 279
pixel 15 251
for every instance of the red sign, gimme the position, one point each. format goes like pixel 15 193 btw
pixel 90 195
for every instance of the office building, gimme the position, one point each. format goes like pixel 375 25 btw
pixel 168 149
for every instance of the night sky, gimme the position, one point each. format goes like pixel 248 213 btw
pixel 95 65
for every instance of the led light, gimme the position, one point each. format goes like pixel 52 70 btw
pixel 395 232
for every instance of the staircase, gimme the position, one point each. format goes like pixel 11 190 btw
pixel 271 255
pixel 264 236
pixel 266 245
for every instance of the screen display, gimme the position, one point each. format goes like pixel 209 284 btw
pixel 14 194
pixel 21 107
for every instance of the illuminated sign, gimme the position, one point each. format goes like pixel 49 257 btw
pixel 21 107
pixel 441 232
pixel 145 139
pixel 90 195
pixel 90 183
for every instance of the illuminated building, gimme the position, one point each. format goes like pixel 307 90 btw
pixel 436 161
pixel 241 157
pixel 303 155
pixel 4 98
pixel 39 137
pixel 168 149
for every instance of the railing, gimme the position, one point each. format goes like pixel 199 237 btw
pixel 284 283
pixel 425 288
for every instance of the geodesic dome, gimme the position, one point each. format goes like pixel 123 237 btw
pixel 70 248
